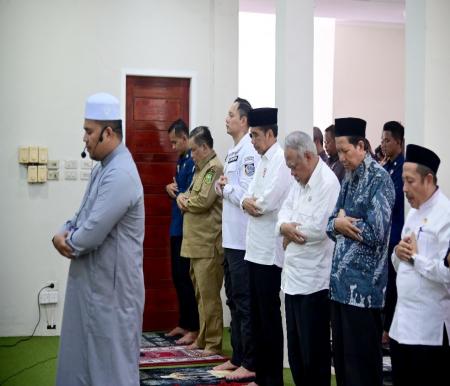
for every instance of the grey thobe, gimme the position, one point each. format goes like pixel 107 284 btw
pixel 102 320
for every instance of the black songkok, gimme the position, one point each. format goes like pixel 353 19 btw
pixel 264 116
pixel 423 156
pixel 350 127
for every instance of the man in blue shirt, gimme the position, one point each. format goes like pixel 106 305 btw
pixel 392 142
pixel 188 324
pixel 360 225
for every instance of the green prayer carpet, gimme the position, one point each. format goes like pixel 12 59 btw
pixel 34 362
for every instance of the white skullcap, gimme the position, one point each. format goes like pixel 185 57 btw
pixel 102 107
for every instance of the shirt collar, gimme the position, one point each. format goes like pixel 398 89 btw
pixel 185 156
pixel 119 149
pixel 202 163
pixel 314 180
pixel 271 151
pixel 396 160
pixel 333 158
pixel 244 140
pixel 431 201
pixel 363 166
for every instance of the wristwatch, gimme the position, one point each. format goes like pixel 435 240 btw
pixel 411 260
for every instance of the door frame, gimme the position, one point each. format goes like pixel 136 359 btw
pixel 152 72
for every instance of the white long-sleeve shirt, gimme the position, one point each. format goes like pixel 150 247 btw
pixel 307 267
pixel 423 304
pixel 270 187
pixel 240 166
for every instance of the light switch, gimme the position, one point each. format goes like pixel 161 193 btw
pixel 42 173
pixel 53 164
pixel 43 155
pixel 23 155
pixel 33 154
pixel 32 174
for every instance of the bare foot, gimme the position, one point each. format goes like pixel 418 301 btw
pixel 205 353
pixel 188 338
pixel 192 346
pixel 241 374
pixel 252 384
pixel 177 331
pixel 225 366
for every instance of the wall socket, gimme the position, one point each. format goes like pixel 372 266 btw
pixel 71 175
pixel 53 175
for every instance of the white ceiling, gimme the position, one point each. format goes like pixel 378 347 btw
pixel 385 11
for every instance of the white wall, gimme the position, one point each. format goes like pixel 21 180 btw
pixel 54 54
pixel 437 86
pixel 369 75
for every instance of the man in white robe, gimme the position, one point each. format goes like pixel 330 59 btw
pixel 420 328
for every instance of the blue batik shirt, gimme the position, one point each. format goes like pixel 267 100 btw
pixel 359 268
pixel 395 170
pixel 183 178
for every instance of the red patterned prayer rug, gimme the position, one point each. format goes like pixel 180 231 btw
pixel 185 376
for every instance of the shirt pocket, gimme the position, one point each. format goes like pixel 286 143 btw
pixel 427 243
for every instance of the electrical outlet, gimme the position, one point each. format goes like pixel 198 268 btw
pixel 71 164
pixel 48 296
pixel 85 174
pixel 86 164
pixel 53 175
pixel 71 175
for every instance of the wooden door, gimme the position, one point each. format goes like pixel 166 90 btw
pixel 152 104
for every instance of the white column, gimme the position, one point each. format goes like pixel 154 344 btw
pixel 294 65
pixel 294 76
pixel 428 80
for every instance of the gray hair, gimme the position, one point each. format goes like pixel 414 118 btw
pixel 300 141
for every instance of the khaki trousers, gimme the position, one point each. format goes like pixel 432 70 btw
pixel 207 277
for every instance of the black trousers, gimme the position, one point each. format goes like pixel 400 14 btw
pixel 265 281
pixel 308 337
pixel 420 365
pixel 237 289
pixel 357 345
pixel 187 304
pixel 391 293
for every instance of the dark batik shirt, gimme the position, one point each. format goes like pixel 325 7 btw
pixel 359 268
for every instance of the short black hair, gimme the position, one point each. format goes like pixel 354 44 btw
pixel 202 135
pixel 317 135
pixel 354 139
pixel 396 128
pixel 266 128
pixel 116 126
pixel 330 130
pixel 244 106
pixel 424 171
pixel 180 128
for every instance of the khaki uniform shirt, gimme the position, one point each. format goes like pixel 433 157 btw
pixel 202 225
